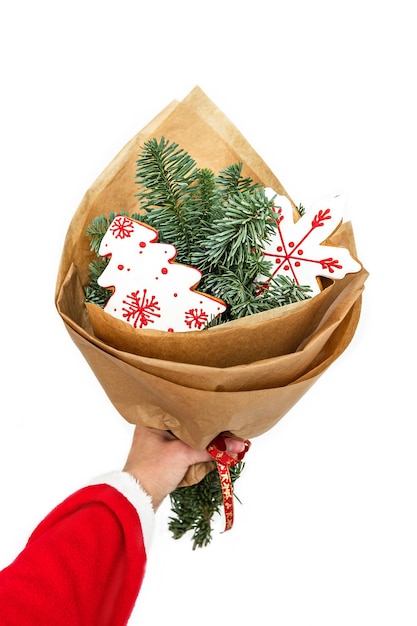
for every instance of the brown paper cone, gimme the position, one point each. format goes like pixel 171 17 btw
pixel 240 377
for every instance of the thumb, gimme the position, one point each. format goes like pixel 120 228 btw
pixel 234 446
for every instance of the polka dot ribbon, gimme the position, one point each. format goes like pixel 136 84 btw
pixel 217 450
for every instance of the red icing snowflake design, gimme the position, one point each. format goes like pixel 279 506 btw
pixel 195 318
pixel 140 309
pixel 297 250
pixel 150 290
pixel 121 227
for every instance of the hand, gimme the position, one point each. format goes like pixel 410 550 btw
pixel 159 461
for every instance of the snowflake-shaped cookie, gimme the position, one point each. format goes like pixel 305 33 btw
pixel 150 290
pixel 298 249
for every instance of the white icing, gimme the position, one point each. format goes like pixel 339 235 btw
pixel 297 250
pixel 150 289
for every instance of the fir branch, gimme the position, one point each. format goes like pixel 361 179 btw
pixel 195 506
pixel 98 227
pixel 95 231
pixel 165 171
pixel 230 181
pixel 167 176
pixel 245 296
pixel 94 293
pixel 205 207
pixel 246 222
pixel 286 291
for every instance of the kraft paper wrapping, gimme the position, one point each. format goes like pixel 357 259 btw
pixel 240 377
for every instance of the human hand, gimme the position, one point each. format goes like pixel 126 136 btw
pixel 159 461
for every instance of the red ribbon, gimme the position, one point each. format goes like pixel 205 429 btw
pixel 217 450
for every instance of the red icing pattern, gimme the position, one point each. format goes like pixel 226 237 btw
pixel 149 290
pixel 298 249
pixel 140 309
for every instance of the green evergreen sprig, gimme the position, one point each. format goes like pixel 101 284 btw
pixel 218 224
pixel 194 507
pixel 167 175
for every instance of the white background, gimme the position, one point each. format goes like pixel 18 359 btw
pixel 325 92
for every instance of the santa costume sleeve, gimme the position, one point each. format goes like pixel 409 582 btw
pixel 84 563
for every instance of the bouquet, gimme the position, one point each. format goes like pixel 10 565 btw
pixel 269 305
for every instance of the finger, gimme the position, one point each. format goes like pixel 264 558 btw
pixel 234 446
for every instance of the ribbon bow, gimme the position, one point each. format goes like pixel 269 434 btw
pixel 218 451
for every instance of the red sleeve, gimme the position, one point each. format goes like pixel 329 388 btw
pixel 83 565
